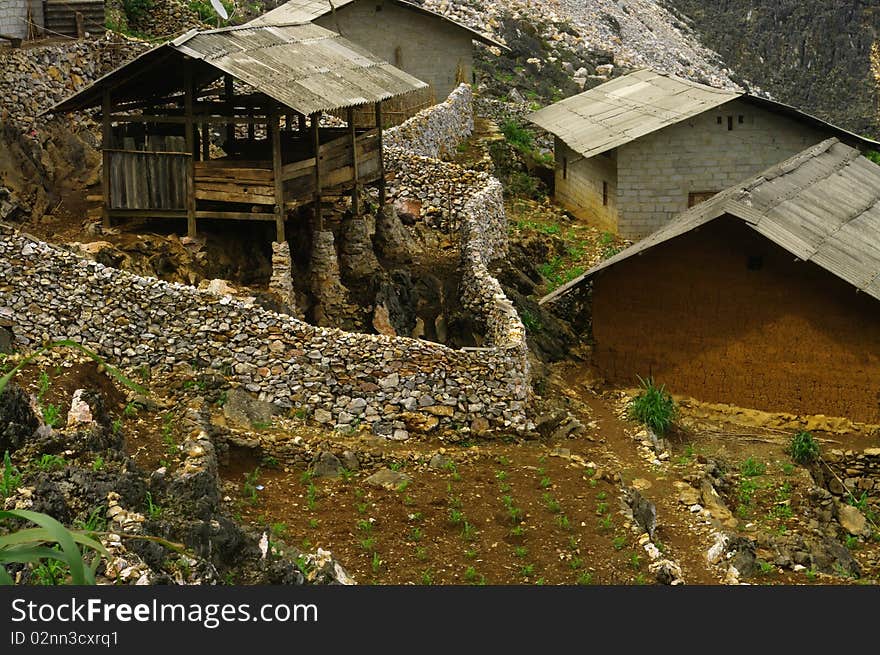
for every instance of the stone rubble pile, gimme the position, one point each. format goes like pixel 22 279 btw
pixel 34 79
pixel 639 33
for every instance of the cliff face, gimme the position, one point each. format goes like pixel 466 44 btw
pixel 823 57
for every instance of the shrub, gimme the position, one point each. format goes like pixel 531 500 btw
pixel 135 9
pixel 873 155
pixel 654 407
pixel 518 136
pixel 803 448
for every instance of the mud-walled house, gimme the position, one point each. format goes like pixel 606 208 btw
pixel 638 150
pixel 765 296
pixel 21 20
pixel 226 125
pixel 423 43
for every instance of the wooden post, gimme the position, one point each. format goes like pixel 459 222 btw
pixel 189 127
pixel 80 27
pixel 381 159
pixel 302 124
pixel 251 133
pixel 228 93
pixel 316 149
pixel 206 141
pixel 106 143
pixel 275 132
pixel 288 122
pixel 356 186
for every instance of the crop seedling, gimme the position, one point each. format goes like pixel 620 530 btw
pixel 98 463
pixel 635 561
pixel 563 522
pixel 852 542
pixel 585 578
pixel 154 511
pixel 368 543
pixel 605 523
pixel 752 468
pixel 470 553
pixel 427 577
pixel 51 415
pixel 279 529
pixel 130 410
pixel 314 523
pixel 803 448
pixel 311 496
pixel 468 531
pixel 365 525
pixel 250 486
pixel 455 516
pixel 376 563
pixel 601 508
pixel 618 542
pixel 50 462
pixel 765 567
pixel 501 476
pixel 517 531
pixel 552 504
pixel 654 407
pixel 470 574
pixel 415 534
pixel 527 570
pixel 576 563
pixel 421 553
pixel 520 551
pixel 545 482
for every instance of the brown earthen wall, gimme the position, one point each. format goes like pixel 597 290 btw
pixel 787 336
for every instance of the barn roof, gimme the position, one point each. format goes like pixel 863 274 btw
pixel 822 205
pixel 304 67
pixel 304 11
pixel 629 107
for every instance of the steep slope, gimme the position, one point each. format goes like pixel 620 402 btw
pixel 821 56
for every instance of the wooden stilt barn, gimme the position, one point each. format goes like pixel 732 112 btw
pixel 226 124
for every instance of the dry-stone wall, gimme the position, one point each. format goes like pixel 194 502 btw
pixel 340 378
pixel 437 130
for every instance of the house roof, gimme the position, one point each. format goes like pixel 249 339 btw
pixel 822 205
pixel 305 11
pixel 629 107
pixel 304 67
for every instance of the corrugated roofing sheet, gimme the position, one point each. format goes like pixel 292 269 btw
pixel 628 107
pixel 304 67
pixel 822 205
pixel 305 11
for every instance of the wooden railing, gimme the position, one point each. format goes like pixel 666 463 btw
pixel 225 180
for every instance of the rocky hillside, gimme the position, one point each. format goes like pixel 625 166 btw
pixel 818 55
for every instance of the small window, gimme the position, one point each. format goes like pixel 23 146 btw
pixel 719 120
pixel 565 168
pixel 741 119
pixel 729 123
pixel 605 193
pixel 756 262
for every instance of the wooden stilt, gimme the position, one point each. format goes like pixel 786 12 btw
pixel 316 151
pixel 106 144
pixel 228 92
pixel 381 159
pixel 356 186
pixel 275 133
pixel 189 127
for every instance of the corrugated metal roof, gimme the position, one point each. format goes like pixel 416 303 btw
pixel 629 107
pixel 822 205
pixel 304 67
pixel 305 11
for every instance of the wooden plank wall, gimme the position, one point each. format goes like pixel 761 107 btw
pixel 147 180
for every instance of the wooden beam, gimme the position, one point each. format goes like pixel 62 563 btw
pixel 189 93
pixel 316 150
pixel 302 123
pixel 237 216
pixel 206 142
pixel 275 132
pixel 356 187
pixel 148 213
pixel 106 144
pixel 381 159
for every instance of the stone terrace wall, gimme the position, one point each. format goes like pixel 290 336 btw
pixel 476 201
pixel 49 293
pixel 436 130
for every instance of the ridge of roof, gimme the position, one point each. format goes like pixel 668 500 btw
pixel 843 237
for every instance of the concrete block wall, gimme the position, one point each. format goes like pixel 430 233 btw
pixel 13 16
pixel 427 47
pixel 579 185
pixel 658 171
